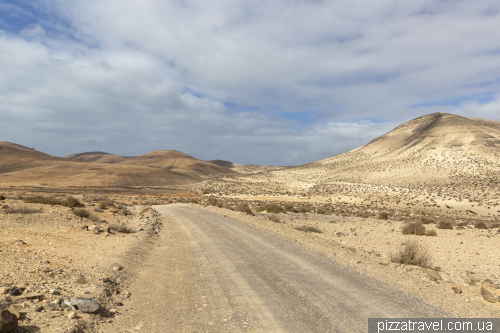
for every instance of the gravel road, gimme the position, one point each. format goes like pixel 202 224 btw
pixel 211 273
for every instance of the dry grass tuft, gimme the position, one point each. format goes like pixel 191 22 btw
pixel 414 228
pixel 244 207
pixel 22 210
pixel 71 202
pixel 413 253
pixel 383 215
pixel 309 229
pixel 443 224
pixel 480 225
pixel 120 228
pixel 274 218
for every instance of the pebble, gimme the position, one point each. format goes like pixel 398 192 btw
pixel 86 305
pixel 117 268
pixel 72 315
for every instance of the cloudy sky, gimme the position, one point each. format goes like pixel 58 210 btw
pixel 282 82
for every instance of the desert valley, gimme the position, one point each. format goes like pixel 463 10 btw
pixel 84 224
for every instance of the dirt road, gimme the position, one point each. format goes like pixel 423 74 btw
pixel 211 273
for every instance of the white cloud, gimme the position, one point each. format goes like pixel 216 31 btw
pixel 133 76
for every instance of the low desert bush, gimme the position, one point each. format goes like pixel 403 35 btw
pixel 105 203
pixel 271 208
pixel 463 224
pixel 98 210
pixel 42 200
pixel 274 218
pixel 289 208
pixel 82 213
pixel 427 220
pixel 443 224
pixel 120 228
pixel 480 225
pixel 413 228
pixel 495 225
pixel 245 208
pixel 431 233
pixel 71 202
pixel 21 210
pixel 383 216
pixel 321 211
pixel 145 210
pixel 303 209
pixel 413 253
pixel 307 228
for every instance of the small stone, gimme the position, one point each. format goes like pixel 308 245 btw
pixel 86 305
pixel 67 305
pixel 14 291
pixel 119 304
pixel 14 312
pixel 8 322
pixel 432 274
pixel 457 290
pixel 39 308
pixel 72 315
pixel 52 307
pixel 2 198
pixel 4 290
pixel 117 268
pixel 33 296
pixel 488 291
pixel 20 241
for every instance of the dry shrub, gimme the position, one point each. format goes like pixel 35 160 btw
pixel 307 228
pixel 480 225
pixel 414 228
pixel 431 233
pixel 245 208
pixel 495 225
pixel 22 210
pixel 80 279
pixel 443 224
pixel 82 213
pixel 463 224
pixel 383 215
pixel 145 210
pixel 42 200
pixel 427 220
pixel 413 253
pixel 106 203
pixel 274 218
pixel 212 201
pixel 289 208
pixel 321 211
pixel 303 209
pixel 98 210
pixel 120 228
pixel 272 208
pixel 71 202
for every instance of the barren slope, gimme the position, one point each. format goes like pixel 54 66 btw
pixel 441 155
pixel 97 156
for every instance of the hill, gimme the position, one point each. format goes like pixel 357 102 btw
pixel 20 165
pixel 97 156
pixel 434 156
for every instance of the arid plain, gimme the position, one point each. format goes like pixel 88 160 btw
pixel 439 172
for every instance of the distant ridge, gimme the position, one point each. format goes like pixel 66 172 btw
pixel 97 156
pixel 222 163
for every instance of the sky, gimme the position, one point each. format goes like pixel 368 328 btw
pixel 283 82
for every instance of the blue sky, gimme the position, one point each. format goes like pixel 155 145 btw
pixel 277 82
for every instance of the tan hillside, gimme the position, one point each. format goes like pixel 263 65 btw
pixel 177 161
pixel 97 156
pixel 245 168
pixel 24 166
pixel 436 156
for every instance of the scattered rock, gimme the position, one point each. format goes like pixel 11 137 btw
pixel 432 274
pixel 67 305
pixel 119 304
pixel 8 322
pixel 457 290
pixel 72 315
pixel 52 307
pixel 488 289
pixel 5 207
pixel 14 312
pixel 117 268
pixel 33 296
pixel 39 308
pixel 86 305
pixel 21 241
pixel 2 197
pixel 4 290
pixel 14 291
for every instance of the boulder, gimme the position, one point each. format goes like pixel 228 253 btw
pixel 67 305
pixel 8 322
pixel 86 305
pixel 488 290
pixel 14 312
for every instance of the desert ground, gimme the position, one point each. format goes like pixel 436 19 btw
pixel 430 183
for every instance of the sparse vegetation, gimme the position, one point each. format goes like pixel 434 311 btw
pixel 245 207
pixel 383 215
pixel 413 253
pixel 445 224
pixel 42 200
pixel 274 218
pixel 307 228
pixel 71 202
pixel 145 210
pixel 321 211
pixel 21 210
pixel 83 213
pixel 272 208
pixel 120 228
pixel 427 220
pixel 480 225
pixel 431 232
pixel 104 204
pixel 413 228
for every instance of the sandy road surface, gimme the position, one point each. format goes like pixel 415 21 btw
pixel 211 273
